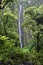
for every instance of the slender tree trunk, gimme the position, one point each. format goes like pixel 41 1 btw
pixel 38 42
pixel 5 23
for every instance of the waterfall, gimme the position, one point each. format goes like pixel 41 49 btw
pixel 20 22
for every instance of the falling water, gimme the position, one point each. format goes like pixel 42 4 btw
pixel 20 22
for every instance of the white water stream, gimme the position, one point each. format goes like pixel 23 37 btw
pixel 20 21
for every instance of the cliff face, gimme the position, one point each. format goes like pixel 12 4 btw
pixel 41 1
pixel 32 2
pixel 38 2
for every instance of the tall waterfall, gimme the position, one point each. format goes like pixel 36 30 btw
pixel 20 22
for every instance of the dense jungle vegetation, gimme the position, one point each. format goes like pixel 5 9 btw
pixel 10 51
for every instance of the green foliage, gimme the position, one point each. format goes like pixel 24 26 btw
pixel 9 52
pixel 33 25
pixel 9 38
